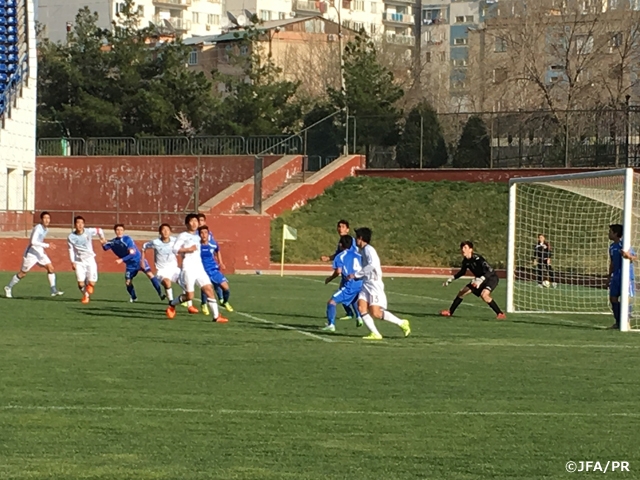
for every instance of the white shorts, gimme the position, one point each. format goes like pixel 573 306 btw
pixel 373 294
pixel 32 258
pixel 170 273
pixel 87 271
pixel 189 279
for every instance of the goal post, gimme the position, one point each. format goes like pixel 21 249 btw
pixel 573 212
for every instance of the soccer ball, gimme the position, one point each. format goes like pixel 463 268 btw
pixel 546 284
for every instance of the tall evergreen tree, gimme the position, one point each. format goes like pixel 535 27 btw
pixel 474 148
pixel 422 122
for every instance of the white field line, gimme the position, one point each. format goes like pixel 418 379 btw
pixel 320 413
pixel 467 304
pixel 286 327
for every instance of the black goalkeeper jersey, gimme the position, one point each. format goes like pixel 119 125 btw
pixel 478 266
pixel 542 252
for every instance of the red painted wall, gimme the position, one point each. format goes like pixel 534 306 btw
pixel 16 221
pixel 134 184
pixel 244 242
pixel 316 185
pixel 502 175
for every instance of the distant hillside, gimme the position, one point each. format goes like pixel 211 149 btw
pixel 413 223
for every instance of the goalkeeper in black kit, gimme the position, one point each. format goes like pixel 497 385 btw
pixel 485 282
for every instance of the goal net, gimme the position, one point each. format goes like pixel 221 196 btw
pixel 573 212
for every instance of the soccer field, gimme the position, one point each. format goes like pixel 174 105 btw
pixel 113 390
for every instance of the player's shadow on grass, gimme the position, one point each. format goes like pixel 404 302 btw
pixel 280 314
pixel 110 312
pixel 315 329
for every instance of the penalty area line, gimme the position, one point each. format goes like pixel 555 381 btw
pixel 286 327
pixel 321 413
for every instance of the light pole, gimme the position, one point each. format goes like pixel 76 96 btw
pixel 343 88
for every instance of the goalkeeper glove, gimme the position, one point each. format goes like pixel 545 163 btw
pixel 449 280
pixel 477 281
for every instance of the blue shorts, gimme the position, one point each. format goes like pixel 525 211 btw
pixel 132 269
pixel 216 277
pixel 615 286
pixel 345 296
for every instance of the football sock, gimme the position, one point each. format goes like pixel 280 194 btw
pixel 390 317
pixel 225 295
pixel 178 300
pixel 13 281
pixel 494 306
pixel 349 310
pixel 203 298
pixel 331 313
pixel 455 305
pixel 131 290
pixel 52 279
pixel 219 291
pixel 169 292
pixel 156 285
pixel 368 321
pixel 213 306
pixel 354 306
pixel 615 306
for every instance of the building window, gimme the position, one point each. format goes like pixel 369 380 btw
pixel 358 5
pixel 10 189
pixel 244 50
pixel 468 19
pixel 265 15
pixel 499 75
pixel 141 10
pixel 282 16
pixel 460 41
pixel 193 57
pixel 374 7
pixel 427 57
pixel 501 45
pixel 195 18
pixel 213 19
pixel 459 85
pixel 25 189
pixel 584 44
pixel 443 56
pixel 459 62
pixel 460 19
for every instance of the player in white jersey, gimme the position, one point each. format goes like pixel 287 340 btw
pixel 166 262
pixel 188 247
pixel 35 255
pixel 372 301
pixel 82 256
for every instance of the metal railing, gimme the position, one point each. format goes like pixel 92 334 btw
pixel 13 89
pixel 170 146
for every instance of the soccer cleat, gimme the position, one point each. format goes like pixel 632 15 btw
pixel 85 299
pixel 228 307
pixel 133 300
pixel 220 301
pixel 220 319
pixel 329 328
pixel 163 298
pixel 184 304
pixel 56 293
pixel 372 336
pixel 7 292
pixel 359 322
pixel 192 310
pixel 554 285
pixel 406 327
pixel 445 313
pixel 501 316
pixel 90 289
pixel 347 317
pixel 171 312
pixel 205 309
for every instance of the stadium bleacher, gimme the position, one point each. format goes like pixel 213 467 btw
pixel 13 48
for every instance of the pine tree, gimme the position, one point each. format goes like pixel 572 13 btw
pixel 422 122
pixel 474 148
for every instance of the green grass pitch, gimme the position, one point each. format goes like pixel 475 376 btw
pixel 112 390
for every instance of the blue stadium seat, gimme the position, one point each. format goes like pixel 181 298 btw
pixel 11 3
pixel 11 30
pixel 3 58
pixel 3 68
pixel 11 58
pixel 12 49
pixel 3 30
pixel 11 12
pixel 3 38
pixel 12 21
pixel 12 68
pixel 3 50
pixel 12 39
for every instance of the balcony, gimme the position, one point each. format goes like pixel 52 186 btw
pixel 307 6
pixel 407 40
pixel 401 18
pixel 400 2
pixel 428 22
pixel 172 3
pixel 172 23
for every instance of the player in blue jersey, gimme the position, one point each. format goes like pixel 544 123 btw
pixel 209 254
pixel 616 255
pixel 127 252
pixel 346 263
pixel 343 229
pixel 202 221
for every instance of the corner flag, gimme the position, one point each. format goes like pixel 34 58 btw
pixel 288 233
